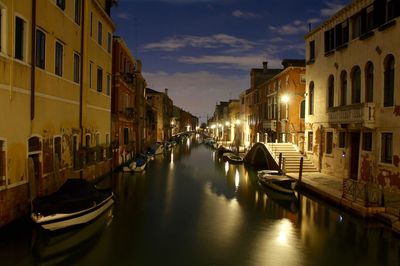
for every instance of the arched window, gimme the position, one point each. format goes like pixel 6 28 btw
pixel 369 82
pixel 311 99
pixel 356 85
pixel 343 88
pixel 388 98
pixel 331 91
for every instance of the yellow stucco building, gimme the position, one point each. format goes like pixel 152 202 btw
pixel 55 95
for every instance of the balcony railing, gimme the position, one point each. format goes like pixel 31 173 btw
pixel 363 113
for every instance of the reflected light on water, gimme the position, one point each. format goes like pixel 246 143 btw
pixel 188 143
pixel 226 168
pixel 237 179
pixel 284 230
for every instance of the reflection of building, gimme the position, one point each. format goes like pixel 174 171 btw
pixel 164 110
pixel 352 113
pixel 56 91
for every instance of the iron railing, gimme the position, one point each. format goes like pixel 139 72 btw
pixel 369 195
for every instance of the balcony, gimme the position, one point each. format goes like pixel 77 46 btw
pixel 269 124
pixel 362 113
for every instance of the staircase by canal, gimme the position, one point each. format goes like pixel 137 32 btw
pixel 292 157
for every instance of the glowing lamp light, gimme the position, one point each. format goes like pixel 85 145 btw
pixel 227 124
pixel 285 98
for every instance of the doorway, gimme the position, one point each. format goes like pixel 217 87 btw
pixel 354 154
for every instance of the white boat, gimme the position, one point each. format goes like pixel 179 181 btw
pixel 76 202
pixel 136 166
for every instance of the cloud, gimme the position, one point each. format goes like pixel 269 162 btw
pixel 210 42
pixel 123 16
pixel 243 14
pixel 295 27
pixel 330 9
pixel 198 92
pixel 245 62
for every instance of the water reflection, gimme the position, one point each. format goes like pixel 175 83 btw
pixel 55 248
pixel 201 212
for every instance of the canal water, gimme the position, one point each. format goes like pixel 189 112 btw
pixel 190 208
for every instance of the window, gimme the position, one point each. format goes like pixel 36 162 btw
pixel 40 49
pixel 329 142
pixel 356 25
pixel 78 5
pixel 342 139
pixel 3 163
pixel 99 80
pixel 303 109
pixel 109 42
pixel 91 24
pixel 108 84
pixel 329 37
pixel 302 78
pixel 312 50
pixel 77 65
pixel 311 99
pixel 87 140
pixel 389 82
pixel 331 91
pixel 367 141
pixel 19 38
pixel 100 33
pixel 386 147
pixel 59 59
pixel 343 88
pixel 369 82
pixel 61 4
pixel 126 135
pixel 390 9
pixel 2 22
pixel 342 33
pixel 368 23
pixel 356 85
pixel 57 148
pixel 310 141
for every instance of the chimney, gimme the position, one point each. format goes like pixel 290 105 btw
pixel 166 91
pixel 139 66
pixel 265 66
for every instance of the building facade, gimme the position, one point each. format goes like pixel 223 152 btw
pixel 55 88
pixel 163 106
pixel 353 99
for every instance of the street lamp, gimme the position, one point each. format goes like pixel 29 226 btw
pixel 285 100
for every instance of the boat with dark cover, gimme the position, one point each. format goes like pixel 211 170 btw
pixel 76 202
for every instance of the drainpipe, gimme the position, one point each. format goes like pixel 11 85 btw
pixel 81 76
pixel 33 60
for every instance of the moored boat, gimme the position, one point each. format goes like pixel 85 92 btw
pixel 232 158
pixel 76 202
pixel 277 181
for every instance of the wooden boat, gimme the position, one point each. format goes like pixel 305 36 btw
pixel 277 181
pixel 76 202
pixel 136 166
pixel 232 158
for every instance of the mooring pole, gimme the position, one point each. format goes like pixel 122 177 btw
pixel 301 169
pixel 280 161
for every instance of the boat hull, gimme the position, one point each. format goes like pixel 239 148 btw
pixel 60 220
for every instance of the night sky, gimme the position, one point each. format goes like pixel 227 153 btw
pixel 203 50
